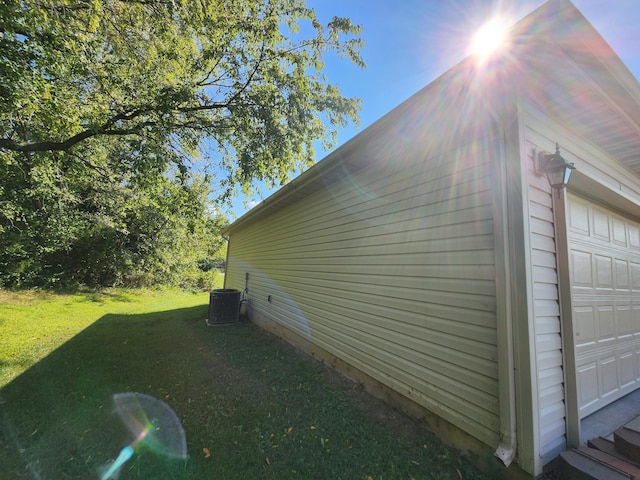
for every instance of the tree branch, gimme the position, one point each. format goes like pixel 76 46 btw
pixel 10 144
pixel 107 128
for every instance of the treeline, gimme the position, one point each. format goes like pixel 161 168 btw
pixel 65 226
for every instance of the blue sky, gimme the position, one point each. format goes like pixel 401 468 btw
pixel 409 43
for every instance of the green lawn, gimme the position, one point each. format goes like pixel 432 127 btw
pixel 251 406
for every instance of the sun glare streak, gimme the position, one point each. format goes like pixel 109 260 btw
pixel 489 40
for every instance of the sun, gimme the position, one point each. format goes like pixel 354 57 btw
pixel 489 39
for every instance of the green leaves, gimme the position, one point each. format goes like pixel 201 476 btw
pixel 225 70
pixel 106 106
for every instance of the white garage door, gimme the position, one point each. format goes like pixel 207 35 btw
pixel 604 260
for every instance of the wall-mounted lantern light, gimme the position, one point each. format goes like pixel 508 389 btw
pixel 556 168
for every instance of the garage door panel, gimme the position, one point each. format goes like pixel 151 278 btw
pixel 628 372
pixel 634 236
pixel 584 319
pixel 581 269
pixel 619 233
pixel 625 325
pixel 606 324
pixel 588 382
pixel 609 381
pixel 622 274
pixel 634 268
pixel 579 218
pixel 600 225
pixel 604 258
pixel 604 272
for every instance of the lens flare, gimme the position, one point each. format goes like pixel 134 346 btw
pixel 152 423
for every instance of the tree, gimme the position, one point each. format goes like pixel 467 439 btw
pixel 107 106
pixel 173 73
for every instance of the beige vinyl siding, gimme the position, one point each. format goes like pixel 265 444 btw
pixel 546 307
pixel 391 269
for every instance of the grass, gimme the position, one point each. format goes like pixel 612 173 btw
pixel 34 323
pixel 252 407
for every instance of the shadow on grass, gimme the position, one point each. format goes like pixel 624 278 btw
pixel 57 418
pixel 251 406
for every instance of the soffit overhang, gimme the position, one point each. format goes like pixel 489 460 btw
pixel 571 73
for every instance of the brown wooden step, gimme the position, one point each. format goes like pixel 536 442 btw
pixel 613 461
pixel 603 444
pixel 633 424
pixel 576 465
pixel 627 442
pixel 607 446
